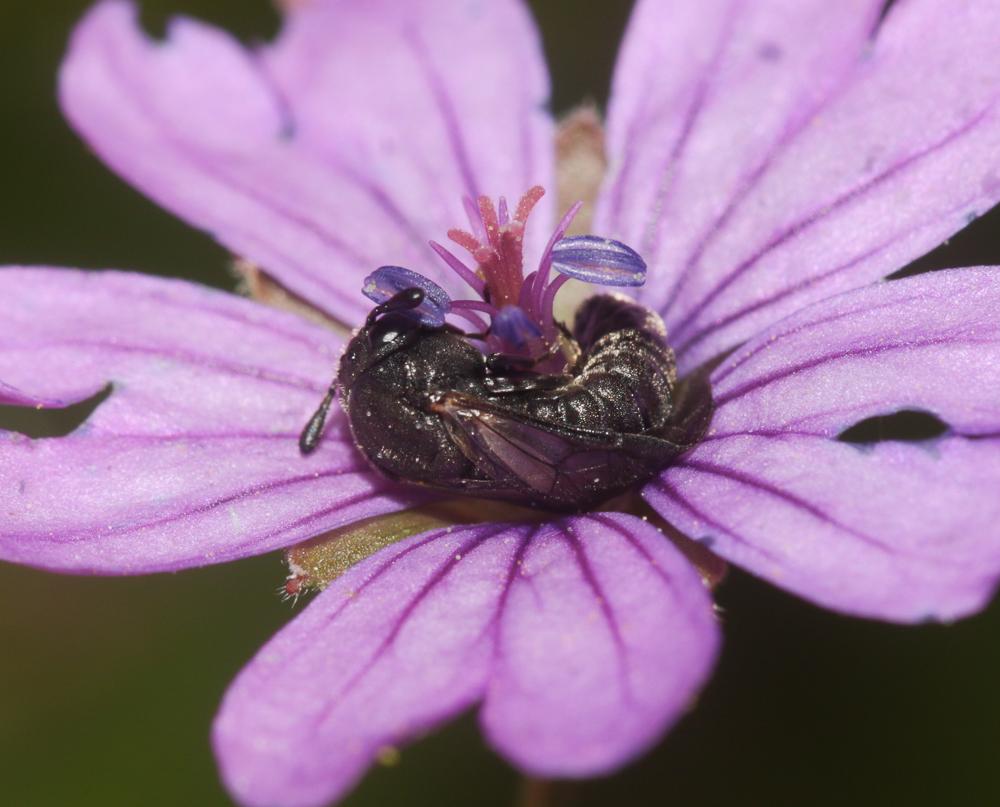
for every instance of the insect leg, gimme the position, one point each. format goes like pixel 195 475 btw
pixel 501 385
pixel 507 363
pixel 404 300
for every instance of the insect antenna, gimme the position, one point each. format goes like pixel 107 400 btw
pixel 313 431
pixel 405 300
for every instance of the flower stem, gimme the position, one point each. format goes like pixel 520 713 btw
pixel 532 792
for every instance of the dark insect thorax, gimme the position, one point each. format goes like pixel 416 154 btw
pixel 385 388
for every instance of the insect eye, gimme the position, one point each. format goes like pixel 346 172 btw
pixel 388 337
pixel 412 297
pixel 391 329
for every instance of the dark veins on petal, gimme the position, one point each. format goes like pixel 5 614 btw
pixel 670 491
pixel 214 504
pixel 786 497
pixel 820 213
pixel 449 118
pixel 226 178
pixel 785 138
pixel 211 363
pixel 590 578
pixel 790 370
pixel 439 574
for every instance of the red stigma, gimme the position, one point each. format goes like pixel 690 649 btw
pixel 495 240
pixel 500 261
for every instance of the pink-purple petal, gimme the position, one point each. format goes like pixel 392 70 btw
pixel 703 95
pixel 792 158
pixel 599 610
pixel 436 100
pixel 193 458
pixel 12 396
pixel 399 643
pixel 345 145
pixel 606 636
pixel 898 530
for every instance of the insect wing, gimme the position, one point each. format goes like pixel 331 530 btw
pixel 554 464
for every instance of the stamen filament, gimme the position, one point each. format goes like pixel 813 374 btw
pixel 542 279
pixel 525 299
pixel 459 268
pixel 481 325
pixel 548 302
pixel 475 221
pixel 475 305
pixel 502 213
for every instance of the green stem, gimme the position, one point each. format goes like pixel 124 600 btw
pixel 532 792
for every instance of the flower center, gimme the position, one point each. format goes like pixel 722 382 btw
pixel 556 417
pixel 512 311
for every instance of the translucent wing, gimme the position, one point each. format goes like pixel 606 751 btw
pixel 556 465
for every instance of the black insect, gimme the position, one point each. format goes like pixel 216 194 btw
pixel 427 407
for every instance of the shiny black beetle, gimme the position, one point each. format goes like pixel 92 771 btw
pixel 425 406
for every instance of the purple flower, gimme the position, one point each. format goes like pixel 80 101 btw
pixel 769 162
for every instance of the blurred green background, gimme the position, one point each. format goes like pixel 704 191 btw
pixel 107 686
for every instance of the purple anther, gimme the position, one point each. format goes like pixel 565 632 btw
pixel 515 327
pixel 387 281
pixel 459 268
pixel 598 260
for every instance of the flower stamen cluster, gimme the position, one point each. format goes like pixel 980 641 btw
pixel 513 312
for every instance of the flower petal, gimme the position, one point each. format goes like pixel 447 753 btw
pixel 343 146
pixel 791 158
pixel 422 630
pixel 899 530
pixel 606 636
pixel 12 396
pixel 399 643
pixel 193 458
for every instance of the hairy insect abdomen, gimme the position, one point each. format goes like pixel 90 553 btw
pixel 624 378
pixel 633 378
